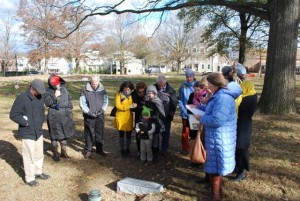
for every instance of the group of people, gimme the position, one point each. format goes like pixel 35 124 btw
pixel 229 103
pixel 153 108
pixel 149 111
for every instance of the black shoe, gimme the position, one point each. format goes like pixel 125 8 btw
pixel 239 177
pixel 42 176
pixel 127 153
pixel 101 152
pixel 55 158
pixel 32 183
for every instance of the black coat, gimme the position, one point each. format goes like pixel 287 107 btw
pixel 28 106
pixel 60 120
pixel 140 101
pixel 244 121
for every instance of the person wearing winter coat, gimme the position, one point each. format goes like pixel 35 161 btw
pixel 145 128
pixel 60 117
pixel 153 102
pixel 93 102
pixel 29 113
pixel 244 129
pixel 138 97
pixel 168 96
pixel 124 118
pixel 183 95
pixel 219 121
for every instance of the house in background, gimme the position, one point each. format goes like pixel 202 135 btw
pixel 200 61
pixel 133 66
pixel 56 65
pixel 22 64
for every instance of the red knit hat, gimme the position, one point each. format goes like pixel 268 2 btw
pixel 55 80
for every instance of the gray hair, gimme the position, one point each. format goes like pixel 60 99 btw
pixel 95 78
pixel 161 78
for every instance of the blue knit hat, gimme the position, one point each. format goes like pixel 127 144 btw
pixel 241 70
pixel 189 73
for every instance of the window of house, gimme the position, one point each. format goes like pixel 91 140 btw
pixel 202 66
pixel 218 68
pixel 196 66
pixel 208 66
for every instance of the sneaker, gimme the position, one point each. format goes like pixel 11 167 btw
pixel 239 177
pixel 32 183
pixel 142 162
pixel 42 176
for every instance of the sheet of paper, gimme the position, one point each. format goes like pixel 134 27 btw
pixel 195 110
pixel 193 122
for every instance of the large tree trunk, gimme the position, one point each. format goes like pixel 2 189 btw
pixel 278 95
pixel 243 38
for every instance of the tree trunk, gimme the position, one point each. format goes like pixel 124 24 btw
pixel 278 95
pixel 243 38
pixel 178 67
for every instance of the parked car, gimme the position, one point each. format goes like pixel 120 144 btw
pixel 30 73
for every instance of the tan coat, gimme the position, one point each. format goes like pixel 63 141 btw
pixel 124 117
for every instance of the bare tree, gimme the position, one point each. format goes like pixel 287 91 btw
pixel 41 21
pixel 122 35
pixel 7 43
pixel 174 40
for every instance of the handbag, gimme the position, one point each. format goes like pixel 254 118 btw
pixel 197 151
pixel 113 112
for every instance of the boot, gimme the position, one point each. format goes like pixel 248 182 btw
pixel 54 148
pixel 87 155
pixel 63 146
pixel 55 154
pixel 216 182
pixel 99 149
pixel 216 189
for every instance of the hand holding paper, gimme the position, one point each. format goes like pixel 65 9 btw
pixel 195 111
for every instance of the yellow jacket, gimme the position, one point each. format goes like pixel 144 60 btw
pixel 124 117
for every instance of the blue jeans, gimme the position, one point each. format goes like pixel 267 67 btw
pixel 166 136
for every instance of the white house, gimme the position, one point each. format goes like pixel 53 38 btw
pixel 133 66
pixel 22 64
pixel 201 62
pixel 56 65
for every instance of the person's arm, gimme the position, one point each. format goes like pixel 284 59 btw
pixel 83 102
pixel 121 105
pixel 50 99
pixel 16 113
pixel 105 101
pixel 220 111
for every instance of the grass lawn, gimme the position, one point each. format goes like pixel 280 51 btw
pixel 275 156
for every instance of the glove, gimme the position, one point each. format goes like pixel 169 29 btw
pixel 57 106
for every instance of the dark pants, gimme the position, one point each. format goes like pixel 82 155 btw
pixel 93 131
pixel 122 140
pixel 242 160
pixel 166 136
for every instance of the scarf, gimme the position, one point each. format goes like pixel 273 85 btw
pixel 248 88
pixel 199 97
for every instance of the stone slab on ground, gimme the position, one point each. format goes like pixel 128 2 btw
pixel 137 186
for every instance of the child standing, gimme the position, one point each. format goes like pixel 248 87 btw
pixel 145 129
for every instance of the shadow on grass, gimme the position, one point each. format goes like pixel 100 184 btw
pixel 10 154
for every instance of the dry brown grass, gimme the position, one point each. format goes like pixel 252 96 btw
pixel 274 175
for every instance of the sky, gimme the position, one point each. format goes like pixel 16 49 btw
pixel 9 8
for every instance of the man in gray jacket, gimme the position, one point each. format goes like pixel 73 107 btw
pixel 28 111
pixel 93 103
